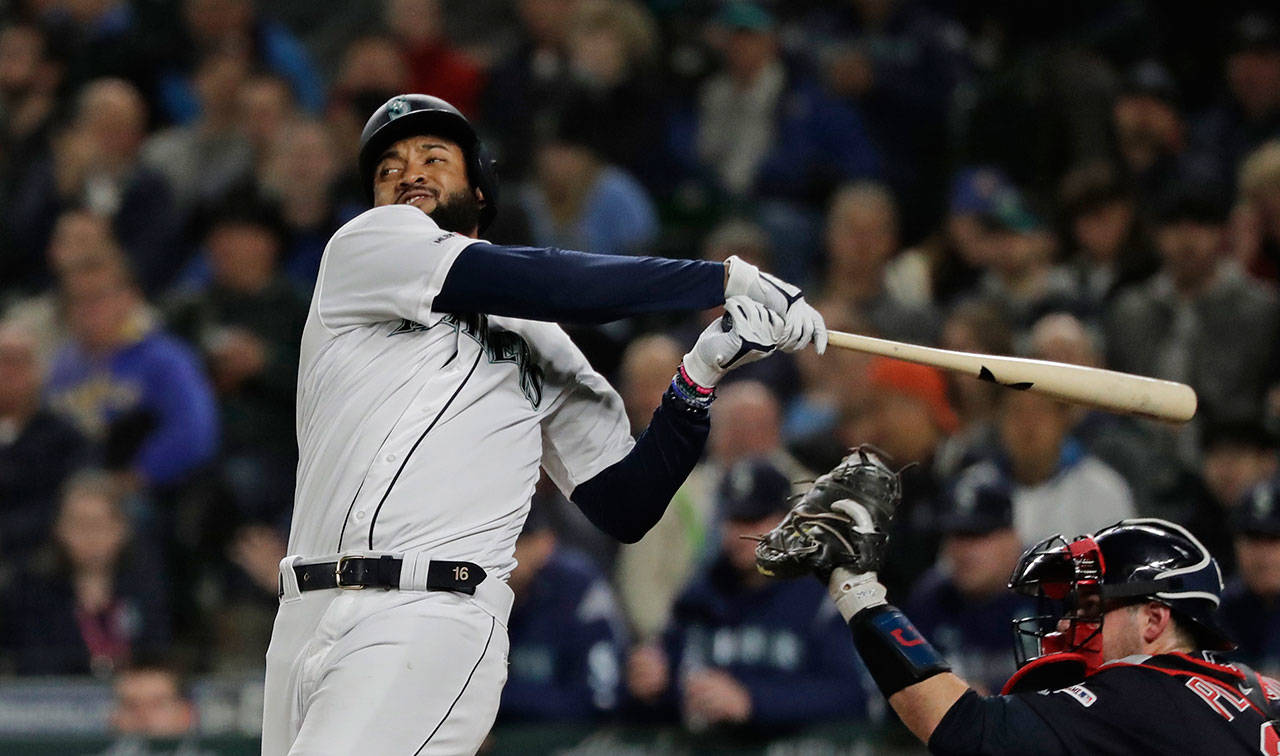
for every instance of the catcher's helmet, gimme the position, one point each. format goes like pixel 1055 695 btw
pixel 409 114
pixel 1129 562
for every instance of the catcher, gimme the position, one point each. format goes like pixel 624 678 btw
pixel 1120 659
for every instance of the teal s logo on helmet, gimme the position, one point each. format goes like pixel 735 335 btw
pixel 397 107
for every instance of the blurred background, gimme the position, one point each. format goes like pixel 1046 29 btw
pixel 1090 182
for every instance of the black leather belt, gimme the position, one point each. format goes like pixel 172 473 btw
pixel 355 572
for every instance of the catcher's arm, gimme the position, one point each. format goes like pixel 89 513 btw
pixel 837 531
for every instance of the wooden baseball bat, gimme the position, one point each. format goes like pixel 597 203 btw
pixel 1093 387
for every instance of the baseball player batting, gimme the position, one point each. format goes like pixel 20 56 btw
pixel 1120 659
pixel 432 386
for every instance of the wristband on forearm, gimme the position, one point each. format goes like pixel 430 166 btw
pixel 895 653
pixel 698 397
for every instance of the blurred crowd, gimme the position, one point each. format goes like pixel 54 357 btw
pixel 1091 182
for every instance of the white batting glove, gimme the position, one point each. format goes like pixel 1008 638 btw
pixel 803 325
pixel 747 332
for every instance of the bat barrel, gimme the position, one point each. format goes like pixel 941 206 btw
pixel 1093 387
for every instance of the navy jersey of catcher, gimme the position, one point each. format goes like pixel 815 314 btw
pixel 1167 704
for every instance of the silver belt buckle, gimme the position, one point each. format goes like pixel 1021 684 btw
pixel 337 575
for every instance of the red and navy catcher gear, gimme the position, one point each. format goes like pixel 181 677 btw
pixel 408 115
pixel 1077 582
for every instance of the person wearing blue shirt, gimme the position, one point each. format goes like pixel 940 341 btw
pixel 129 385
pixel 567 633
pixel 743 651
pixel 1251 601
pixel 961 602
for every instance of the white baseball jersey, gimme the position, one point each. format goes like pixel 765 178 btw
pixel 423 432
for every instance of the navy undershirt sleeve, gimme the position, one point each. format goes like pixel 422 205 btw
pixel 628 498
pixel 993 726
pixel 575 287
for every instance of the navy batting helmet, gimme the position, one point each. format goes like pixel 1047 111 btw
pixel 407 115
pixel 1129 562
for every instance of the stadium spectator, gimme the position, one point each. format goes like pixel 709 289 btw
pixel 901 62
pixel 862 235
pixel 38 449
pixel 1105 245
pixel 299 172
pixel 1249 114
pixel 98 597
pixel 265 107
pixel 832 390
pixel 962 602
pixel 1251 602
pixel 524 87
pixel 746 425
pixel 948 265
pixel 130 386
pixel 152 701
pixel 100 38
pixel 247 325
pixel 95 165
pixel 1258 222
pixel 1058 486
pixel 1237 457
pixel 203 158
pixel 908 417
pixel 29 81
pixel 1150 130
pixel 579 201
pixel 978 327
pixel 613 53
pixel 649 573
pixel 1018 252
pixel 434 65
pixel 1184 324
pixel 742 650
pixel 1143 455
pixel 240 26
pixel 568 635
pixel 766 130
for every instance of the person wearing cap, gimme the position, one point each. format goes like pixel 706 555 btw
pixel 742 652
pixel 765 129
pixel 908 418
pixel 1251 601
pixel 1249 113
pixel 568 635
pixel 962 602
pixel 1017 260
pixel 1200 320
pixel 1149 128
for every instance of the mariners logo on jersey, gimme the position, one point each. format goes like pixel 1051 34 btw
pixel 498 345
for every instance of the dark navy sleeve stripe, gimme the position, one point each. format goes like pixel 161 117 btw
pixel 575 287
pixel 628 498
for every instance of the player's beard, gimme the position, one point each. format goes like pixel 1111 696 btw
pixel 458 212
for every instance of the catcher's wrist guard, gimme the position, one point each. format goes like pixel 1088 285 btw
pixel 853 593
pixel 896 654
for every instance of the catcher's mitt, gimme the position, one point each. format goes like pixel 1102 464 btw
pixel 820 532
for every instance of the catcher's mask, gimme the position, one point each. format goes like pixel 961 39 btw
pixel 1134 561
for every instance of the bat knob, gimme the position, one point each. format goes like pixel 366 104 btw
pixel 726 322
